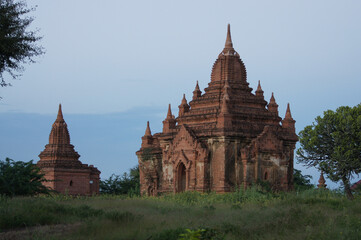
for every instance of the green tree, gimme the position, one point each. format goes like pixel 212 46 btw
pixel 20 178
pixel 124 184
pixel 18 45
pixel 301 182
pixel 333 145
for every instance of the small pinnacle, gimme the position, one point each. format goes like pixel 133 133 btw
pixel 288 112
pixel 197 92
pixel 147 130
pixel 259 86
pixel 184 100
pixel 169 114
pixel 197 87
pixel 272 100
pixel 272 105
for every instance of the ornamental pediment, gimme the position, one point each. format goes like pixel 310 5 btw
pixel 186 143
pixel 268 140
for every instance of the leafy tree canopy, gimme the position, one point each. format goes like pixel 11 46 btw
pixel 18 45
pixel 125 184
pixel 301 182
pixel 20 178
pixel 333 144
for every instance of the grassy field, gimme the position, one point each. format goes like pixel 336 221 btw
pixel 250 214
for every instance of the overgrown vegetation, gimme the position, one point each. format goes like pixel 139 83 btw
pixel 301 182
pixel 20 178
pixel 333 144
pixel 124 184
pixel 250 214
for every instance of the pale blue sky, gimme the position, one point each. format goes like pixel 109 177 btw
pixel 120 58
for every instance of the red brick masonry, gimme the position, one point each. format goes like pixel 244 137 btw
pixel 225 137
pixel 60 163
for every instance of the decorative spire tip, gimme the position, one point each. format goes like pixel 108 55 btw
pixel 60 113
pixel 229 43
pixel 259 88
pixel 147 130
pixel 288 111
pixel 169 114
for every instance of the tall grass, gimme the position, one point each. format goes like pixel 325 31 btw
pixel 250 214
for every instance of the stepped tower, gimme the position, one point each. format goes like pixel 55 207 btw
pixel 61 166
pixel 223 138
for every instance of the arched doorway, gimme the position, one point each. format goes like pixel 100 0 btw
pixel 181 178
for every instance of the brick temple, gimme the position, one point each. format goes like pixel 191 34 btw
pixel 226 137
pixel 60 164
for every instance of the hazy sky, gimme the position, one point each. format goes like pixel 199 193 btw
pixel 120 58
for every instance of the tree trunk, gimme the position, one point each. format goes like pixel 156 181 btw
pixel 348 191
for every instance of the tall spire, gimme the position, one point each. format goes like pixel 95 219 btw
pixel 59 147
pixel 229 43
pixel 60 114
pixel 147 130
pixel 59 133
pixel 228 47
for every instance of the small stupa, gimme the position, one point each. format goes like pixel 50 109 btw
pixel 321 181
pixel 61 166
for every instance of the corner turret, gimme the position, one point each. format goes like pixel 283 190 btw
pixel 170 122
pixel 273 106
pixel 197 92
pixel 288 122
pixel 183 107
pixel 259 91
pixel 147 139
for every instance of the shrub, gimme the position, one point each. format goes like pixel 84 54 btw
pixel 20 178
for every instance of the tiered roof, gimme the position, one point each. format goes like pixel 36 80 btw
pixel 229 92
pixel 59 153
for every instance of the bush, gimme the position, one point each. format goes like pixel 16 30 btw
pixel 125 184
pixel 301 182
pixel 20 178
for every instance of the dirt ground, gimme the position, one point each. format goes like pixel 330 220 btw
pixel 38 232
